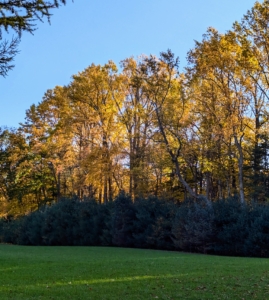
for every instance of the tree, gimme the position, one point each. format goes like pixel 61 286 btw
pixel 20 16
pixel 95 115
pixel 165 88
pixel 135 113
pixel 252 35
pixel 50 137
pixel 223 84
pixel 21 176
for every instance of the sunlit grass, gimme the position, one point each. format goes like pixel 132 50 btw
pixel 116 273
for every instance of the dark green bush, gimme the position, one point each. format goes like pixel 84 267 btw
pixel 107 218
pixel 59 222
pixel 257 241
pixel 193 227
pixel 231 226
pixel 90 223
pixel 122 221
pixel 152 223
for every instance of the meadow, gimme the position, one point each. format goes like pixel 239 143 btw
pixel 123 273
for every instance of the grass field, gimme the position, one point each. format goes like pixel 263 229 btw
pixel 116 273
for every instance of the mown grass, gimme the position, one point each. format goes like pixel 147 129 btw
pixel 116 273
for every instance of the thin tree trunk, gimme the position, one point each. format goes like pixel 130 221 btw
pixel 207 185
pixel 240 159
pixel 100 195
pixel 105 190
pixel 110 190
pixel 220 196
pixel 59 186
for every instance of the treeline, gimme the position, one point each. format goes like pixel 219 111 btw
pixel 149 129
pixel 227 227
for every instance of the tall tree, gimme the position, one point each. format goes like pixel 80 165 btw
pixel 252 35
pixel 164 88
pixel 91 95
pixel 135 113
pixel 224 84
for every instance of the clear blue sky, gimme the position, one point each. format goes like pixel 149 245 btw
pixel 85 32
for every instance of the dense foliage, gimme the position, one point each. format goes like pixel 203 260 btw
pixel 227 227
pixel 149 129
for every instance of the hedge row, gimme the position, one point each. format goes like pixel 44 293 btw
pixel 226 227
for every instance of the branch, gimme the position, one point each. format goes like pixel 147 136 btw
pixel 7 53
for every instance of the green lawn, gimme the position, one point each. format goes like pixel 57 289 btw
pixel 116 273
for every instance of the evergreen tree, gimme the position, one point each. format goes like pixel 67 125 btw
pixel 20 16
pixel 257 170
pixel 193 227
pixel 122 221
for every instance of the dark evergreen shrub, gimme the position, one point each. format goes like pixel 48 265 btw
pixel 163 216
pixel 30 229
pixel 90 221
pixel 11 229
pixel 122 220
pixel 107 215
pixel 143 223
pixel 153 223
pixel 231 226
pixel 2 224
pixel 59 222
pixel 257 241
pixel 193 227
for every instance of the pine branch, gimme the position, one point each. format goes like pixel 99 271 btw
pixel 21 15
pixel 7 53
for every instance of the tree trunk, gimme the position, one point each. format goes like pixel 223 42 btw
pixel 240 159
pixel 59 186
pixel 175 161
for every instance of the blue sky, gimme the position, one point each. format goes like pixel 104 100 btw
pixel 85 32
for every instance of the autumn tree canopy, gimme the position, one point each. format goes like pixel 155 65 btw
pixel 147 128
